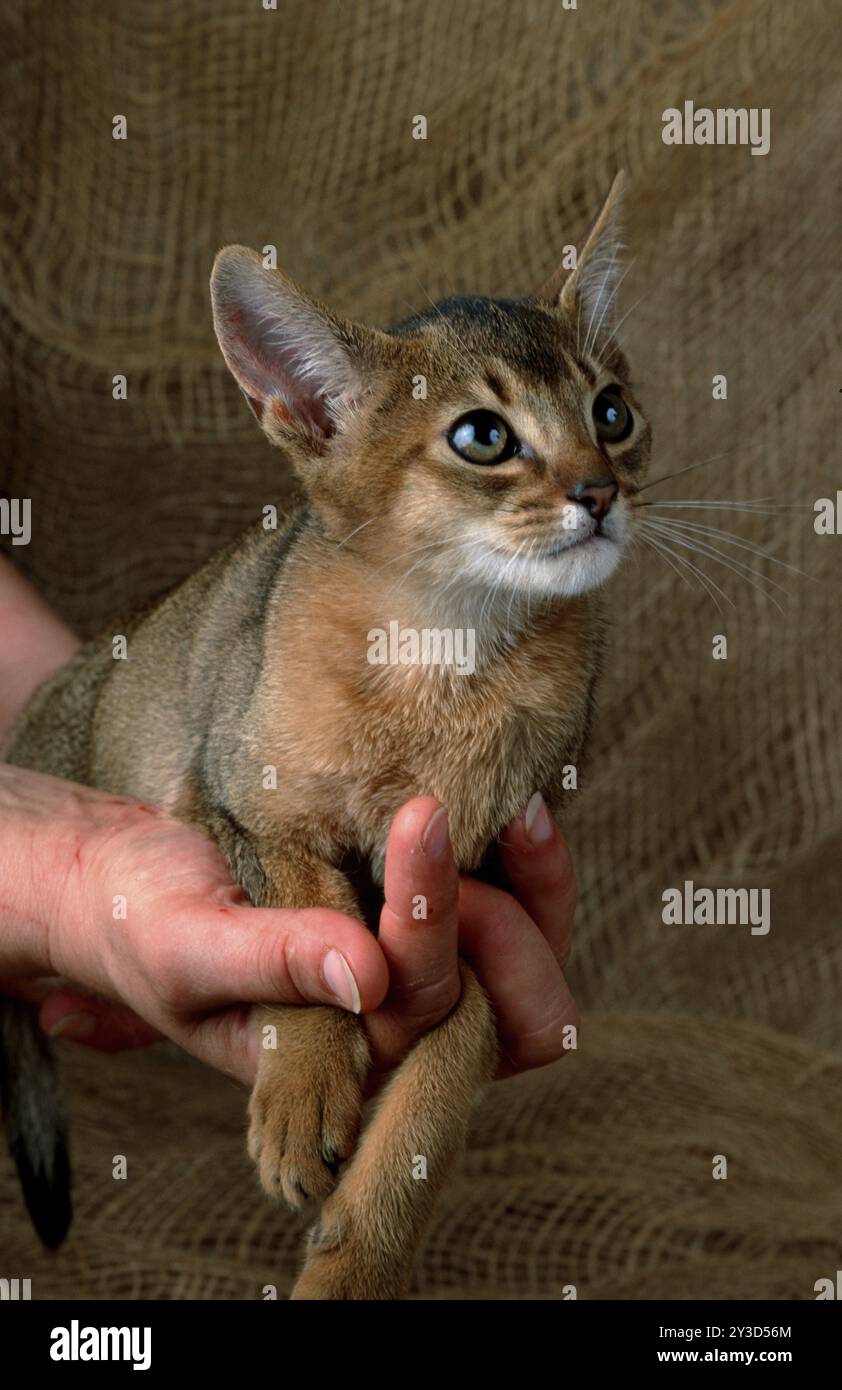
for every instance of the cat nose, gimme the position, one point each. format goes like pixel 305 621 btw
pixel 596 497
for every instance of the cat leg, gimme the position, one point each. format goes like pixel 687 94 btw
pixel 305 1107
pixel 364 1243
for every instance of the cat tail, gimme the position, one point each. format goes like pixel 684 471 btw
pixel 34 1120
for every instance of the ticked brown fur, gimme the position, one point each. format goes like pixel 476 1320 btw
pixel 260 661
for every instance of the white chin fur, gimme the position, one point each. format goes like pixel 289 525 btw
pixel 584 564
pixel 583 567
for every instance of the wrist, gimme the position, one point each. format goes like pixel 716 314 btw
pixel 78 860
pixel 53 835
pixel 24 913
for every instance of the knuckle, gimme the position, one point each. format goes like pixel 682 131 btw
pixel 549 1042
pixel 272 964
pixel 427 1002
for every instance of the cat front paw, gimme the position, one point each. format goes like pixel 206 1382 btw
pixel 349 1259
pixel 304 1123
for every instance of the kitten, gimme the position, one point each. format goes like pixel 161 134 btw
pixel 496 500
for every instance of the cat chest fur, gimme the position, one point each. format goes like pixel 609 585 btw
pixel 351 742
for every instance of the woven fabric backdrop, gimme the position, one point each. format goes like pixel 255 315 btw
pixel 294 128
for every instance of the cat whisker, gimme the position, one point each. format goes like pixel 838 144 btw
pixel 665 553
pixel 665 477
pixel 488 600
pixel 460 543
pixel 457 577
pixel 730 562
pixel 708 584
pixel 529 588
pixel 664 530
pixel 413 550
pixel 761 506
pixel 640 538
pixel 497 586
pixel 694 527
pixel 512 561
pixel 514 592
pixel 671 528
pixel 448 541
pixel 361 527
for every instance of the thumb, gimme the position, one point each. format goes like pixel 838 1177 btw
pixel 259 955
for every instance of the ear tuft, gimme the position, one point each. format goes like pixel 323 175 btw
pixel 294 361
pixel 589 293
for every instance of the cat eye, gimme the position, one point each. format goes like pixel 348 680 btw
pixel 612 417
pixel 482 437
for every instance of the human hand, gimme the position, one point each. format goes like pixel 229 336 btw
pixel 191 955
pixel 518 943
pixel 138 910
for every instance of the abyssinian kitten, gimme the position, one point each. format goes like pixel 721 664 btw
pixel 497 503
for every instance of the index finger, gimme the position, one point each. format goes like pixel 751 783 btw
pixel 419 923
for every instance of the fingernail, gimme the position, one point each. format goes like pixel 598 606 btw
pixel 435 842
pixel 339 978
pixel 73 1026
pixel 536 820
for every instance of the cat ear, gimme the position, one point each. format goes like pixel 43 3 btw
pixel 589 292
pixel 298 366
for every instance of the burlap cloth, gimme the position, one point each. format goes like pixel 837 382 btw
pixel 294 128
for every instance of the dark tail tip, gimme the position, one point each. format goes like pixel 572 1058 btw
pixel 47 1196
pixel 32 1112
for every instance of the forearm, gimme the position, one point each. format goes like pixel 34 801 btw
pixel 35 644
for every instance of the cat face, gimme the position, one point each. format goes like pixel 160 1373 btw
pixel 482 447
pixel 524 452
